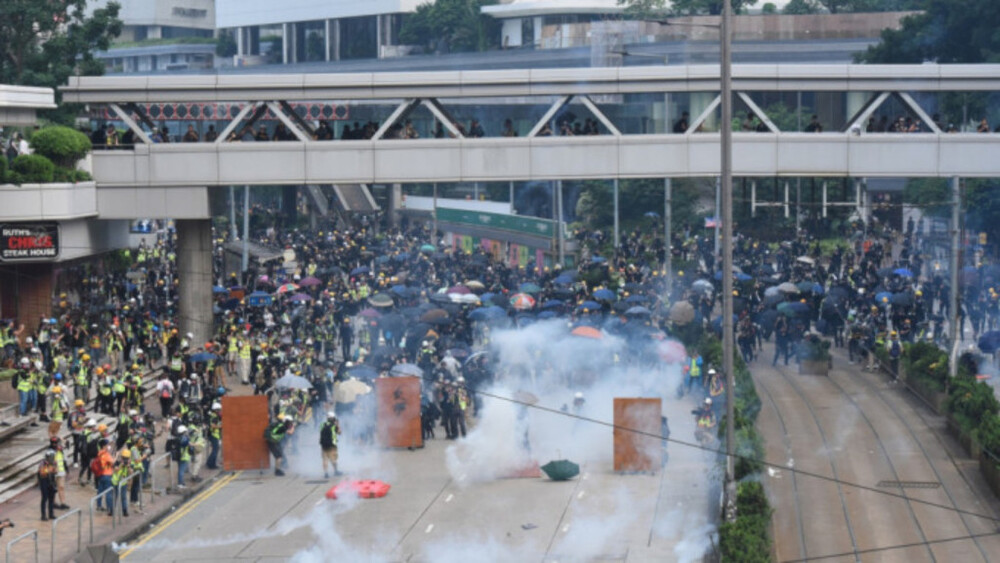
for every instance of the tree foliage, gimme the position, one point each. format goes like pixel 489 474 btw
pixel 711 7
pixel 946 32
pixel 635 197
pixel 800 7
pixel 44 42
pixel 459 24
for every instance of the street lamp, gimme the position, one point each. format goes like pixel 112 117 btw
pixel 726 188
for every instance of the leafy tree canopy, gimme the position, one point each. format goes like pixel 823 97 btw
pixel 460 24
pixel 948 31
pixel 44 42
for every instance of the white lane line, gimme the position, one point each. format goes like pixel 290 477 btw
pixel 319 502
pixel 449 497
pixel 565 528
pixel 430 527
pixel 585 475
pixel 580 496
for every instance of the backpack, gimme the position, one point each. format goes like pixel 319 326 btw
pixel 16 379
pixel 172 447
pixel 895 349
pixel 95 466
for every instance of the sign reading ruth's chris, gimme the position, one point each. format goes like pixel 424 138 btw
pixel 29 241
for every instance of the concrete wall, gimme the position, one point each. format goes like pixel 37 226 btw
pixel 236 13
pixel 36 202
pixel 197 14
pixel 541 158
pixel 129 202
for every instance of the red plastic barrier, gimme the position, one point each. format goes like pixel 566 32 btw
pixel 362 489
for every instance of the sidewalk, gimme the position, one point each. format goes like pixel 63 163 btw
pixel 159 499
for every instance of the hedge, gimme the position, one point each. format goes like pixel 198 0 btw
pixel 62 145
pixel 747 539
pixel 33 169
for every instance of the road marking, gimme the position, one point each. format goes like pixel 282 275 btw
pixel 585 475
pixel 429 528
pixel 182 512
pixel 580 496
pixel 319 502
pixel 450 496
pixel 565 528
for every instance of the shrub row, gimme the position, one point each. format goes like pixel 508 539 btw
pixel 57 150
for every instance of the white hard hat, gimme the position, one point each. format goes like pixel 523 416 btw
pixel 711 371
pixel 90 422
pixel 38 365
pixel 330 414
pixel 194 376
pixel 349 364
pixel 132 412
pixel 25 362
pixel 216 406
pixel 29 340
pixel 578 395
pixel 190 335
pixel 461 379
pixel 708 401
pixel 139 352
pixel 35 350
pixel 182 429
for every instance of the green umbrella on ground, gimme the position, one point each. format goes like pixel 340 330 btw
pixel 561 470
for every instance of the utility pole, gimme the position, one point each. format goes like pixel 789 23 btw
pixel 956 265
pixel 434 232
pixel 615 189
pixel 559 225
pixel 668 267
pixel 726 180
pixel 718 212
pixel 232 212
pixel 246 229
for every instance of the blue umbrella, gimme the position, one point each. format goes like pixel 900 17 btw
pixel 360 270
pixel 638 311
pixel 399 289
pixel 604 295
pixel 882 295
pixel 817 289
pixel 598 259
pixel 740 276
pixel 546 315
pixel 563 279
pixel 903 272
pixel 989 342
pixel 591 305
pixel 552 303
pixel 652 214
pixel 635 299
pixel 204 357
pixel 219 289
pixel 401 257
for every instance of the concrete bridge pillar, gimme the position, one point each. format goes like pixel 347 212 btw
pixel 194 270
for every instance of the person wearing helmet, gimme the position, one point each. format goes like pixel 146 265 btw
pixel 214 435
pixel 46 474
pixel 90 437
pixel 60 458
pixel 81 375
pixel 59 411
pixel 274 435
pixel 895 349
pixel 182 454
pixel 77 424
pixel 104 467
pixel 121 471
pixel 705 419
pixel 328 433
pixel 578 402
pixel 24 383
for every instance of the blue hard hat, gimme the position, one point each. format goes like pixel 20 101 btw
pixel 58 377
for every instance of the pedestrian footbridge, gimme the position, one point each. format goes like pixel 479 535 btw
pixel 636 117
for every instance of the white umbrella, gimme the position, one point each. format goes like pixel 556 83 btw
pixel 806 260
pixel 349 390
pixel 293 382
pixel 788 287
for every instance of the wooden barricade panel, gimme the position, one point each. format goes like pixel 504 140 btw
pixel 637 425
pixel 397 412
pixel 244 420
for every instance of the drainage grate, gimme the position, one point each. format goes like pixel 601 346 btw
pixel 909 484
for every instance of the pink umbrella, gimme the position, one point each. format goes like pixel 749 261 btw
pixel 370 313
pixel 460 289
pixel 310 282
pixel 300 297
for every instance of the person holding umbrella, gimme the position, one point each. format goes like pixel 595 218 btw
pixel 328 443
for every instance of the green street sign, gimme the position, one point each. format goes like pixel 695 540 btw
pixel 514 223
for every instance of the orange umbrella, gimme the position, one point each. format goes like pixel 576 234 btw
pixel 587 332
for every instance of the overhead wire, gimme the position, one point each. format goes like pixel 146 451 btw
pixel 739 457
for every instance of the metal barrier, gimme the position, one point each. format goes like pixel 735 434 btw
pixel 152 473
pixel 32 534
pixel 123 488
pixel 110 491
pixel 79 532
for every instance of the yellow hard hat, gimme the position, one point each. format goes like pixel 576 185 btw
pixel 78 403
pixel 99 371
pixel 126 453
pixel 102 427
pixel 57 389
pixel 135 366
pixel 86 357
